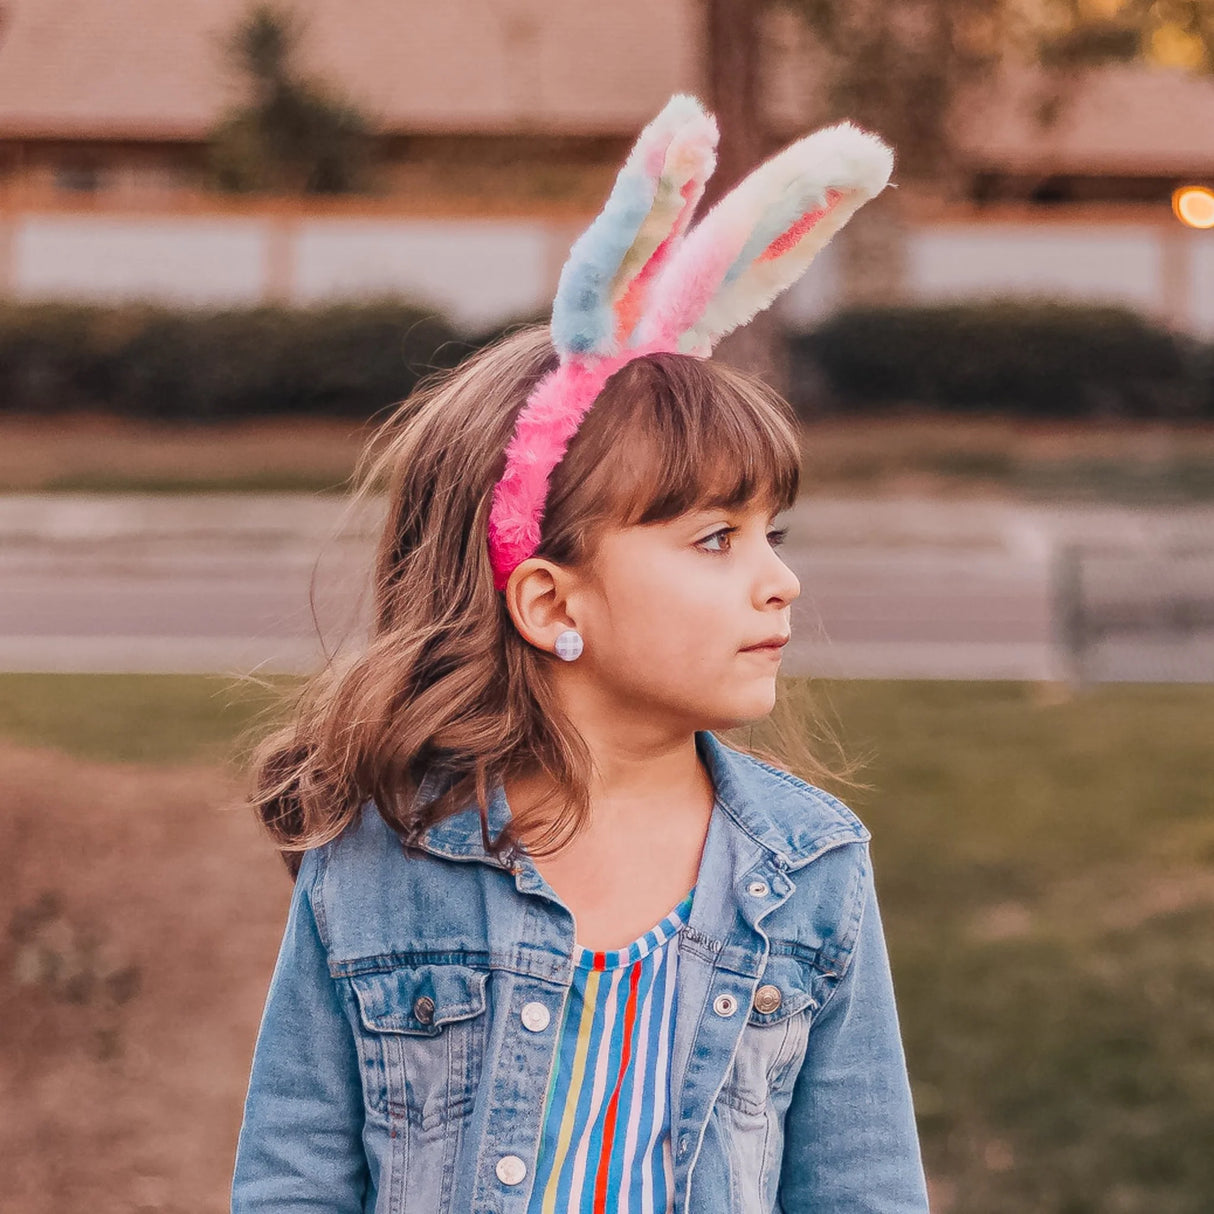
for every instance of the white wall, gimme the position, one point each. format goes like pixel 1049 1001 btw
pixel 1122 264
pixel 480 272
pixel 1202 284
pixel 204 261
pixel 476 272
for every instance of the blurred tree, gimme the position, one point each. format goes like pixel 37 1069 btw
pixel 1171 33
pixel 733 42
pixel 294 135
pixel 900 69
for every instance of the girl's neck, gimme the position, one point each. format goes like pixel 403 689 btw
pixel 630 793
pixel 638 857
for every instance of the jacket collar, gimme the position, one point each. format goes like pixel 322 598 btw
pixel 793 820
pixel 789 818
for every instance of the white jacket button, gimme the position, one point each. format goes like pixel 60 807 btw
pixel 535 1016
pixel 511 1169
pixel 724 1005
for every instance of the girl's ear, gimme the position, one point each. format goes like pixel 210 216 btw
pixel 604 283
pixel 759 239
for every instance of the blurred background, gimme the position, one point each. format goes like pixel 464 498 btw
pixel 232 235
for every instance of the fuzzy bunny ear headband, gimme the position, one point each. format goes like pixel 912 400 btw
pixel 638 282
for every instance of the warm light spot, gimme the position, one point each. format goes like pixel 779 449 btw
pixel 1176 47
pixel 1194 206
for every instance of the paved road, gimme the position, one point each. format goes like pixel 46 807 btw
pixel 890 587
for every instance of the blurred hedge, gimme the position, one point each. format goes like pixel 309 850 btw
pixel 1031 359
pixel 1035 359
pixel 151 362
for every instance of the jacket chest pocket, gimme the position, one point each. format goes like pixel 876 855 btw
pixel 421 1040
pixel 775 1036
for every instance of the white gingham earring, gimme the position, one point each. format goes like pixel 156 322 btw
pixel 569 645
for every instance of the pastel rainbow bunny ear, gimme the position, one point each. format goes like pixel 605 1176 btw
pixel 759 239
pixel 604 283
pixel 638 282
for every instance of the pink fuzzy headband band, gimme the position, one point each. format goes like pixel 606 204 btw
pixel 638 281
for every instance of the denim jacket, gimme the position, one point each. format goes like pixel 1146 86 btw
pixel 393 1071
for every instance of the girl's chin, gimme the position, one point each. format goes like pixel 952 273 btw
pixel 754 703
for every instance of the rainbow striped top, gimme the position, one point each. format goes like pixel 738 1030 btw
pixel 605 1144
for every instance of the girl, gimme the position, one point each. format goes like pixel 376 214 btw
pixel 553 945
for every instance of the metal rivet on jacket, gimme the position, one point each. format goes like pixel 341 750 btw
pixel 768 998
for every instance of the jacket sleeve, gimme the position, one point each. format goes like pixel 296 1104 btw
pixel 300 1145
pixel 851 1144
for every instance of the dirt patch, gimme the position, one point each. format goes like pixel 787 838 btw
pixel 139 920
pixel 950 455
pixel 905 451
pixel 38 453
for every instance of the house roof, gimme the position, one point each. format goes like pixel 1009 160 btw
pixel 151 69
pixel 1124 119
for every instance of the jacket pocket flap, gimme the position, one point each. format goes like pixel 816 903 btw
pixel 419 999
pixel 793 980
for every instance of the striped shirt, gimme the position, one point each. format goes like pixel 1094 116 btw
pixel 605 1145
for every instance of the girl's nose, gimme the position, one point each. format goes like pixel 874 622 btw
pixel 791 587
pixel 779 582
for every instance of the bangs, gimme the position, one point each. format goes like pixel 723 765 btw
pixel 677 433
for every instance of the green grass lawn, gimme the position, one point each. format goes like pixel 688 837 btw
pixel 1046 873
pixel 137 718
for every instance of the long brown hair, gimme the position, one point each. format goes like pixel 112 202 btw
pixel 446 681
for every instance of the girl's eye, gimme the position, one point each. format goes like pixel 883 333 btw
pixel 717 535
pixel 775 538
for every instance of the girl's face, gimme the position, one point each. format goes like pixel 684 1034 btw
pixel 667 615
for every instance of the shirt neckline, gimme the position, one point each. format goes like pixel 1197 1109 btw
pixel 642 946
